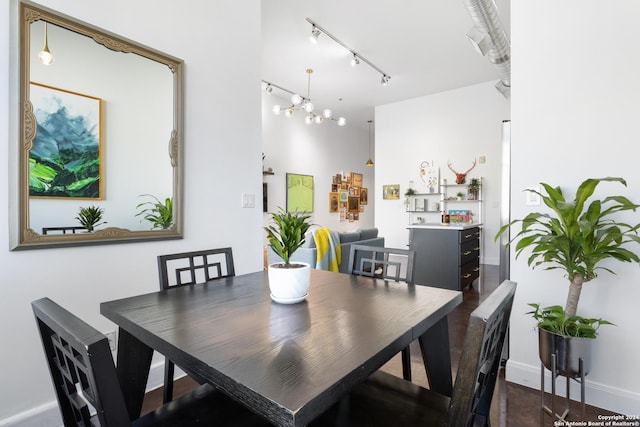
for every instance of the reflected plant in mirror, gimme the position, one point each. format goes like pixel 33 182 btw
pixel 159 214
pixel 89 217
pixel 131 98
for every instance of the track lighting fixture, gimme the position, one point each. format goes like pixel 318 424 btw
pixel 299 102
pixel 315 33
pixel 268 88
pixel 45 55
pixel 355 56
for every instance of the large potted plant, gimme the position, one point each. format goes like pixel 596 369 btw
pixel 574 237
pixel 288 281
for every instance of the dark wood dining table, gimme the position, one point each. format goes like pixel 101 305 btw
pixel 288 363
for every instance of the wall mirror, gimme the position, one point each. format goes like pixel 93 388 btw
pixel 100 126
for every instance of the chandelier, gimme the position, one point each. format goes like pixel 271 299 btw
pixel 300 103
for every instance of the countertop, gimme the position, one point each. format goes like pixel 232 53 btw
pixel 452 226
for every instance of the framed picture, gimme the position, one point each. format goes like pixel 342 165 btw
pixel 344 195
pixel 299 193
pixel 391 192
pixel 334 202
pixel 354 204
pixel 356 179
pixel 364 197
pixel 66 157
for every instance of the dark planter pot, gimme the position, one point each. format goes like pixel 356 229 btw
pixel 568 351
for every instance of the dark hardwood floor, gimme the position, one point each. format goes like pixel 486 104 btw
pixel 513 405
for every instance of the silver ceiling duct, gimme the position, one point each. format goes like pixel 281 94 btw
pixel 488 37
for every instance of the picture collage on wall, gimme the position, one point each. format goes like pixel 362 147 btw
pixel 347 197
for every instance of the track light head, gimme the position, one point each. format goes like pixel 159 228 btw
pixel 268 88
pixel 385 80
pixel 354 60
pixel 315 33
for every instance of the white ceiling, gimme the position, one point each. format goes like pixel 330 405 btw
pixel 421 44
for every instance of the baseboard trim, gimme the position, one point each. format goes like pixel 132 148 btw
pixel 48 414
pixel 596 394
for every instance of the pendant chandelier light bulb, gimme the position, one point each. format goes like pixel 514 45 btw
pixel 326 113
pixel 308 120
pixel 296 99
pixel 276 110
pixel 45 56
pixel 342 121
pixel 369 161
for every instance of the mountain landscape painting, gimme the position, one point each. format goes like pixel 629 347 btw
pixel 65 160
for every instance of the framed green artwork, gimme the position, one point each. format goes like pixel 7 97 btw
pixel 299 193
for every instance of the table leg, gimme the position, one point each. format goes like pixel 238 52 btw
pixel 434 344
pixel 134 361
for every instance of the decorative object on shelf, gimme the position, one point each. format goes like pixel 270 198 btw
pixel 430 176
pixel 288 281
pixel 459 216
pixel 369 161
pixel 460 177
pixel 159 214
pixel 89 217
pixel 301 103
pixel 460 195
pixel 577 238
pixel 299 193
pixel 473 189
pixel 391 192
pixel 355 56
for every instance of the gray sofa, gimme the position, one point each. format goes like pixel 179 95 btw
pixel 307 252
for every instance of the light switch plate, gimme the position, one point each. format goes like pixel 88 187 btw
pixel 248 200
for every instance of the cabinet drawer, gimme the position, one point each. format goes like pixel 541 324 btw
pixel 469 234
pixel 469 251
pixel 469 272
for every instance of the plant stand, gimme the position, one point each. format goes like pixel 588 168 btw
pixel 552 412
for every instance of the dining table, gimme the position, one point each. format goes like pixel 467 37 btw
pixel 286 362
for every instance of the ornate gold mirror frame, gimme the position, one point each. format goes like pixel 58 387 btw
pixel 26 237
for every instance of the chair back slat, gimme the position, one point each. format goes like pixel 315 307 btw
pixel 387 263
pixel 481 356
pixel 191 268
pixel 81 367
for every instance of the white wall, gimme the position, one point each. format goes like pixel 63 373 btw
pixel 575 116
pixel 222 160
pixel 456 126
pixel 320 150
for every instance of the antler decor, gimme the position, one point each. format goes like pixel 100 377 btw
pixel 460 177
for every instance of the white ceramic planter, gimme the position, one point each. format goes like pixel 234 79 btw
pixel 289 285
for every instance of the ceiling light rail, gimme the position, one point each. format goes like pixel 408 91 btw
pixel 355 56
pixel 299 102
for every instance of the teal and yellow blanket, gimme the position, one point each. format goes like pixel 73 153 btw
pixel 328 249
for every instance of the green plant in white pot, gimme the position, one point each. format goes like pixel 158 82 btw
pixel 158 213
pixel 90 216
pixel 575 237
pixel 288 281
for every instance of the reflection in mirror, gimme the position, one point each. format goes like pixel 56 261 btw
pixel 100 128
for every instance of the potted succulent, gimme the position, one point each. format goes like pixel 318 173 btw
pixel 460 195
pixel 473 189
pixel 89 217
pixel 159 214
pixel 574 237
pixel 288 281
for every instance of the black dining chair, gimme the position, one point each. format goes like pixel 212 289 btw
pixel 384 399
pixel 89 393
pixel 191 268
pixel 389 264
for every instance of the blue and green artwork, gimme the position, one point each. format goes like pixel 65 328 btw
pixel 65 159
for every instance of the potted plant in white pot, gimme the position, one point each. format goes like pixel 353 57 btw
pixel 90 216
pixel 574 237
pixel 288 281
